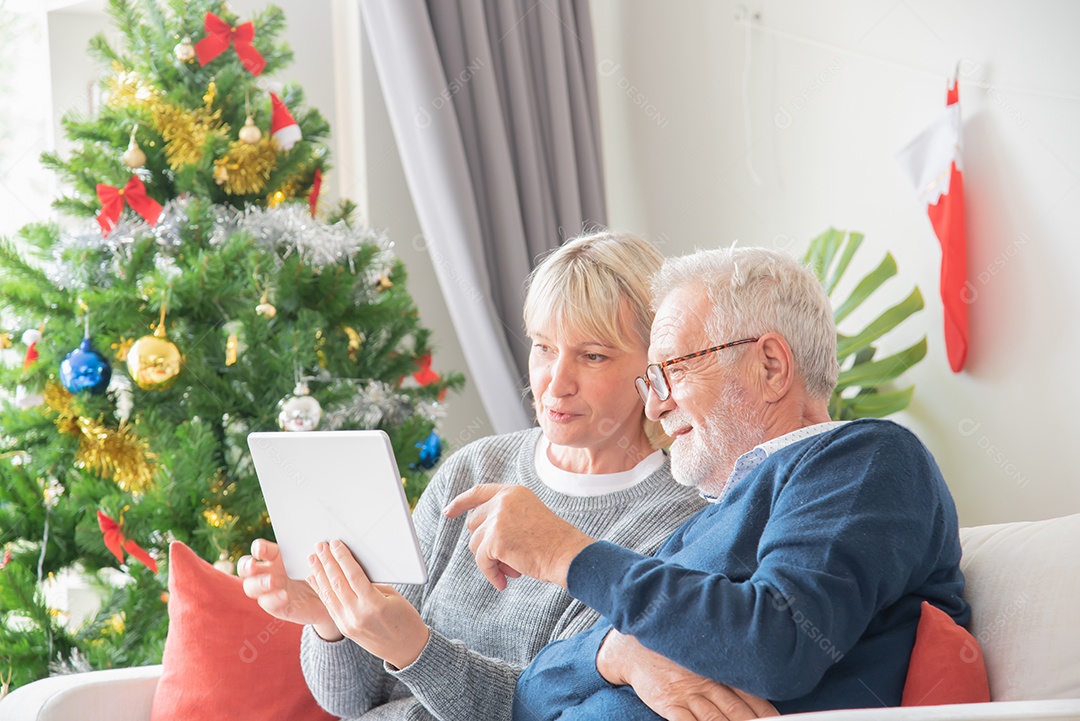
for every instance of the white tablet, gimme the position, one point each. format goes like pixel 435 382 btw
pixel 326 485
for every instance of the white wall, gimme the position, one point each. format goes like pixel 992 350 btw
pixel 25 120
pixel 825 125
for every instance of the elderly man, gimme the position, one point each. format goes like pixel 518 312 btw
pixel 801 583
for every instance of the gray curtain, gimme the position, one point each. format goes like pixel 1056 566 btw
pixel 494 108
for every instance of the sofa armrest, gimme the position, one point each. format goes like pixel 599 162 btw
pixel 122 694
pixel 994 711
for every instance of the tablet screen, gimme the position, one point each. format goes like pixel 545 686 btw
pixel 326 485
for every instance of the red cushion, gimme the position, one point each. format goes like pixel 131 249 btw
pixel 225 658
pixel 946 663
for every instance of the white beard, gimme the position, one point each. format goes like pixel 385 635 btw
pixel 705 457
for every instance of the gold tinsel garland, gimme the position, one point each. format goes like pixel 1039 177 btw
pixel 128 89
pixel 247 166
pixel 116 453
pixel 189 134
pixel 186 132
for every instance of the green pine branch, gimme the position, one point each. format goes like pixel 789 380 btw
pixel 216 284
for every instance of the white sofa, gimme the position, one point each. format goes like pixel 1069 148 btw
pixel 1023 582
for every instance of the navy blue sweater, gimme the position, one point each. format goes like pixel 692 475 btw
pixel 802 585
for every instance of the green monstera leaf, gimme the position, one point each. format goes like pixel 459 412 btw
pixel 862 390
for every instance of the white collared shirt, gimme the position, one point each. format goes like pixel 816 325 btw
pixel 750 460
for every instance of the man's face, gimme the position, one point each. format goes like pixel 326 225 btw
pixel 711 414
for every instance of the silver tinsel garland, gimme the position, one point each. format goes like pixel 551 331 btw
pixel 378 403
pixel 283 230
pixel 290 228
pixel 65 270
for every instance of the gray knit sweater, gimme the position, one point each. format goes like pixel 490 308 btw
pixel 481 638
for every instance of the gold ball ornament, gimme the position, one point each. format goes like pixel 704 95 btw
pixel 154 361
pixel 224 564
pixel 134 157
pixel 184 50
pixel 250 133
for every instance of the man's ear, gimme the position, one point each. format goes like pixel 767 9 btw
pixel 777 366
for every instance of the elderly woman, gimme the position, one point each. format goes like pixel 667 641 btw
pixel 454 647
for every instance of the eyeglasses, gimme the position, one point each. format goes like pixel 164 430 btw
pixel 656 377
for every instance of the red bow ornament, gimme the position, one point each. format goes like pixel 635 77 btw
pixel 115 542
pixel 134 194
pixel 219 35
pixel 424 375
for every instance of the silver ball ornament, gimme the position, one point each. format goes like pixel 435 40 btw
pixel 299 411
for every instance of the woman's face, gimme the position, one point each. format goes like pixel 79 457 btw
pixel 583 389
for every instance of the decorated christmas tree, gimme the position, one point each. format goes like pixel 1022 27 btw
pixel 195 291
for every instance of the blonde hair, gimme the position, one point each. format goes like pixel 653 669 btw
pixel 593 285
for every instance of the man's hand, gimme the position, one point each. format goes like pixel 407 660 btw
pixel 513 532
pixel 670 690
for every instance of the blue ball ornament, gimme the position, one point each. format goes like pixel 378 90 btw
pixel 84 369
pixel 430 451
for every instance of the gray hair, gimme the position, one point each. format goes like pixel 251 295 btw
pixel 756 291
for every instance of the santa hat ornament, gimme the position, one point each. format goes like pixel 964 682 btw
pixel 282 125
pixel 23 398
pixel 30 339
